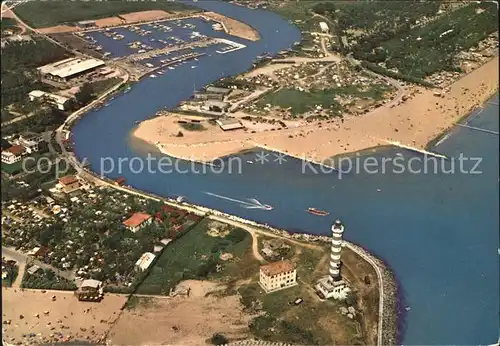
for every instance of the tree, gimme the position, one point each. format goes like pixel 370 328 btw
pixel 219 339
pixel 85 94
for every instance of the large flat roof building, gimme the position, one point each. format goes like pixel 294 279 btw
pixel 227 124
pixel 69 68
pixel 216 90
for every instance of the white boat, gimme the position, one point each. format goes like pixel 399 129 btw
pixel 249 161
pixel 171 68
pixel 407 308
pixel 194 66
pixel 153 76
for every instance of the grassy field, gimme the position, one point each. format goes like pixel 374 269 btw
pixel 303 101
pixel 299 101
pixel 41 14
pixel 195 256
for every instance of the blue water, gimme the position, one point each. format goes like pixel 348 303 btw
pixel 438 232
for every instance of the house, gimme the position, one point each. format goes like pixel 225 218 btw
pixel 33 269
pixel 62 103
pixel 39 251
pixel 90 290
pixel 31 141
pixel 145 261
pixel 137 221
pixel 277 275
pixel 69 184
pixel 324 27
pixel 91 285
pixel 228 124
pixel 13 154
pixel 217 106
pixel 327 288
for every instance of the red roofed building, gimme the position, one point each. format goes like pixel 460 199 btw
pixel 277 275
pixel 137 221
pixel 13 154
pixel 69 183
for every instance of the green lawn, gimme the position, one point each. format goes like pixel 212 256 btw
pixel 300 101
pixel 193 256
pixel 49 13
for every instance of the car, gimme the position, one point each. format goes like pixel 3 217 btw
pixel 298 301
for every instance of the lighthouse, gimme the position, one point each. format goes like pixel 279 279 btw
pixel 335 250
pixel 333 285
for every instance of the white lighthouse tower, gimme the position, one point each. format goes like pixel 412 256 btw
pixel 333 286
pixel 335 250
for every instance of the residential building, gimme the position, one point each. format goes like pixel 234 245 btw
pixel 324 27
pixel 277 275
pixel 90 290
pixel 62 103
pixel 91 285
pixel 31 141
pixel 217 106
pixel 137 221
pixel 145 261
pixel 67 69
pixel 69 184
pixel 13 154
pixel 227 124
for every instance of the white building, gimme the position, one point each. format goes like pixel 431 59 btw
pixel 62 103
pixel 332 286
pixel 145 261
pixel 13 154
pixel 277 276
pixel 324 27
pixel 31 141
pixel 69 68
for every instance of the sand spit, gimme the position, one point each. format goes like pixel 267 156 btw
pixel 234 27
pixel 415 122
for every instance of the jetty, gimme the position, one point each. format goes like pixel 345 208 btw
pixel 479 129
pixel 417 150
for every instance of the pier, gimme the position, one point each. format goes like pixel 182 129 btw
pixel 421 151
pixel 150 54
pixel 478 129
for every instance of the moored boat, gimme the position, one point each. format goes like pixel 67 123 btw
pixel 318 212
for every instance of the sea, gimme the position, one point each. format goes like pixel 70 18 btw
pixel 437 231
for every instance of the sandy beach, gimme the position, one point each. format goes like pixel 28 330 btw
pixel 65 318
pixel 420 119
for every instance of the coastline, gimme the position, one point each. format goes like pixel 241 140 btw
pixel 387 324
pixel 356 134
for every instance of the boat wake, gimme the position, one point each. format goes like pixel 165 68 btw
pixel 252 203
